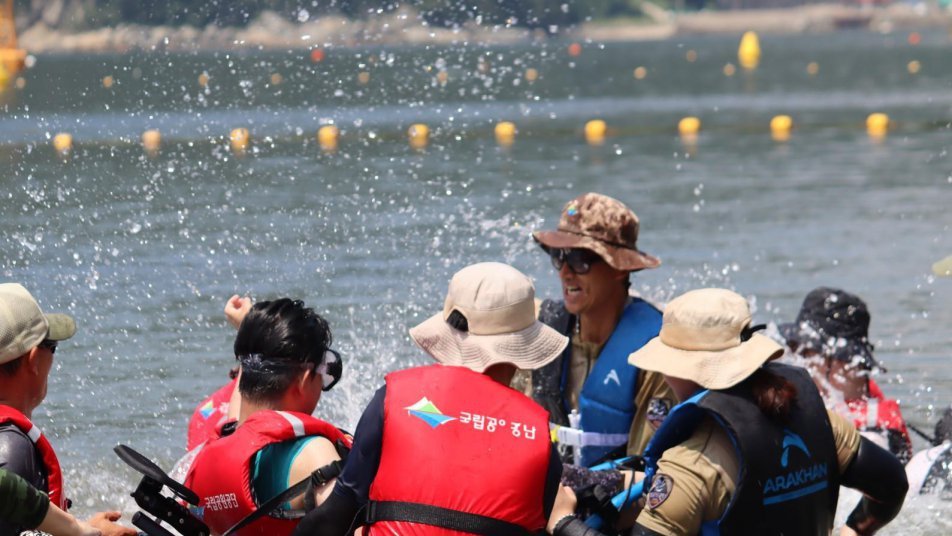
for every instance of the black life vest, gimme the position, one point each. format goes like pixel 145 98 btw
pixel 789 476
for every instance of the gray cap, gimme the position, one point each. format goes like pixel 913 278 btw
pixel 23 326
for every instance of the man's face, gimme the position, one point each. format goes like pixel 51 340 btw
pixel 584 293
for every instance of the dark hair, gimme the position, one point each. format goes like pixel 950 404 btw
pixel 10 368
pixel 273 341
pixel 774 394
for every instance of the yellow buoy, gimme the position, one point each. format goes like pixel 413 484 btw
pixel 595 131
pixel 914 67
pixel 748 53
pixel 363 78
pixel 505 133
pixel 877 125
pixel 203 80
pixel 327 137
pixel 729 69
pixel 689 127
pixel 813 68
pixel 151 140
pixel 780 127
pixel 276 79
pixel 419 135
pixel 691 56
pixel 532 75
pixel 240 139
pixel 943 268
pixel 640 73
pixel 63 143
pixel 108 81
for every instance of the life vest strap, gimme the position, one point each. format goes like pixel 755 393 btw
pixel 440 517
pixel 574 437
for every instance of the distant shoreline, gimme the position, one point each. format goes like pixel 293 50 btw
pixel 272 32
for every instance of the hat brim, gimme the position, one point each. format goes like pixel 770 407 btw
pixel 619 258
pixel 709 369
pixel 62 326
pixel 527 349
pixel 805 337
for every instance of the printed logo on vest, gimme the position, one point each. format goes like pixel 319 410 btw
pixel 808 479
pixel 658 409
pixel 661 488
pixel 427 412
pixel 207 410
pixel 612 376
pixel 792 440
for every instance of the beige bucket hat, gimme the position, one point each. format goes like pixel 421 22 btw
pixel 498 305
pixel 601 224
pixel 706 337
pixel 23 326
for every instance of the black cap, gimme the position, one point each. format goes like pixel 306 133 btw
pixel 834 323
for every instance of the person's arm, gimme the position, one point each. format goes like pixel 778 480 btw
pixel 236 308
pixel 335 517
pixel 59 523
pixel 317 453
pixel 20 503
pixel 882 479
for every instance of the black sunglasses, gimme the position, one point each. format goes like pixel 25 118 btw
pixel 49 345
pixel 580 261
pixel 331 369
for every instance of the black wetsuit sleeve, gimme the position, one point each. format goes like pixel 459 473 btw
pixel 882 479
pixel 20 503
pixel 553 478
pixel 335 517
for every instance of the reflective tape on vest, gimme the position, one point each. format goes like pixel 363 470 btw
pixel 580 438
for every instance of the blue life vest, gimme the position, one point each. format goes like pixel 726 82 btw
pixel 607 399
pixel 789 476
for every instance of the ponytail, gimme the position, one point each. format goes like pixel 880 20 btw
pixel 774 395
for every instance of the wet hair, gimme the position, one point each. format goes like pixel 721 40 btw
pixel 774 395
pixel 274 341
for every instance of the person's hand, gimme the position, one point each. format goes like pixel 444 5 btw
pixel 106 522
pixel 236 308
pixel 565 503
pixel 846 531
pixel 85 529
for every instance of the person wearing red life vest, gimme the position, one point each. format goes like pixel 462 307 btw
pixel 286 363
pixel 831 335
pixel 28 340
pixel 451 449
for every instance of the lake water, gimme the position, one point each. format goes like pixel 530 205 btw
pixel 145 251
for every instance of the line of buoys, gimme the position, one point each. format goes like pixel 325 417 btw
pixel 63 143
pixel 780 127
pixel 877 125
pixel 151 141
pixel 419 135
pixel 327 137
pixel 748 53
pixel 505 133
pixel 239 139
pixel 595 131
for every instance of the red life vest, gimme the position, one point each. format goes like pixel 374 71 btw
pixel 456 440
pixel 54 475
pixel 221 474
pixel 209 416
pixel 878 413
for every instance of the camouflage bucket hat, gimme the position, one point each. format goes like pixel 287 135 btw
pixel 603 225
